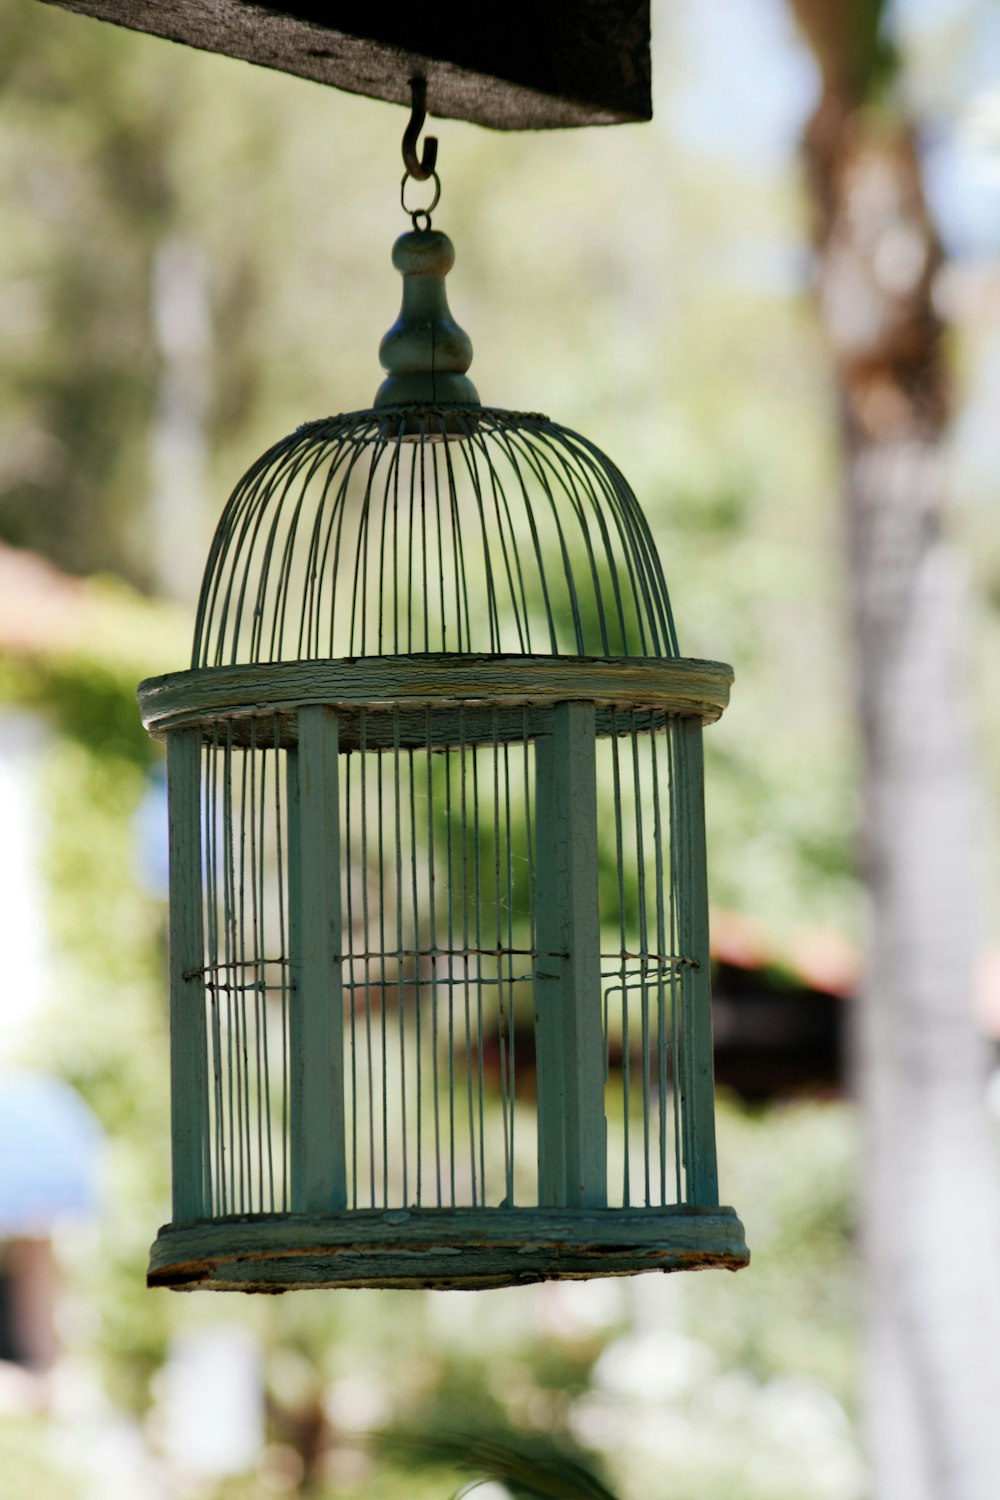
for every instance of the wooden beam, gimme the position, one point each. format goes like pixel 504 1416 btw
pixel 522 65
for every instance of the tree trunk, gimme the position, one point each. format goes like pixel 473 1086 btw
pixel 931 1230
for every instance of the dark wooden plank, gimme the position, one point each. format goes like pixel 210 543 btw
pixel 523 65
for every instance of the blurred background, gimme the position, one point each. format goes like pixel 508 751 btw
pixel 194 259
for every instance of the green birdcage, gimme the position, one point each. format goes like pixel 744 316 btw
pixel 439 965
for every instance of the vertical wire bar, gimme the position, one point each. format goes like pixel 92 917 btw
pixel 477 906
pixel 418 998
pixel 359 588
pixel 256 966
pixel 484 552
pixel 363 758
pixel 262 952
pixel 510 938
pixel 335 543
pixel 463 756
pixel 411 509
pixel 532 920
pixel 572 1131
pixel 640 857
pixel 432 912
pixel 331 508
pixel 513 609
pixel 244 969
pixel 665 950
pixel 228 924
pixel 461 594
pixel 511 551
pixel 424 575
pixel 675 949
pixel 189 1121
pixel 697 1100
pixel 622 961
pixel 319 1173
pixel 301 477
pixel 383 1019
pixel 348 846
pixel 442 603
pixel 285 965
pixel 400 967
pixel 449 853
pixel 212 892
pixel 395 566
pixel 505 1000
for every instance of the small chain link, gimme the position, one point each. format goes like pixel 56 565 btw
pixel 420 214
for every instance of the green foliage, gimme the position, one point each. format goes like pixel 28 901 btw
pixel 531 1475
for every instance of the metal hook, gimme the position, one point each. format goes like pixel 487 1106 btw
pixel 419 167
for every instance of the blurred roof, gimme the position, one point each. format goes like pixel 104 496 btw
pixel 40 607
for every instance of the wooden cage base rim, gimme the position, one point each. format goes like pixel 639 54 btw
pixel 443 1248
pixel 681 686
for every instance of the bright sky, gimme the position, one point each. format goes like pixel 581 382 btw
pixel 748 84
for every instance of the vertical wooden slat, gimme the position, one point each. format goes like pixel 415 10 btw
pixel 188 1036
pixel 316 1024
pixel 572 1133
pixel 691 877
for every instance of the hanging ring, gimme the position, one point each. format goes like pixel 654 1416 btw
pixel 420 167
pixel 416 214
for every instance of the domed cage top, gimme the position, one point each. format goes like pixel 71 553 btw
pixel 440 1006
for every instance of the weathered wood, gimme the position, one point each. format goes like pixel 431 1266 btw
pixel 447 726
pixel 425 354
pixel 316 1017
pixel 188 1033
pixel 691 880
pixel 569 1036
pixel 456 1247
pixel 699 689
pixel 530 65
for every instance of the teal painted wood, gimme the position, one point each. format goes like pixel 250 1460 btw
pixel 316 1016
pixel 425 354
pixel 461 1248
pixel 569 1036
pixel 682 686
pixel 691 884
pixel 451 724
pixel 188 1032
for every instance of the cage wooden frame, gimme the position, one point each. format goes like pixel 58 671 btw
pixel 271 749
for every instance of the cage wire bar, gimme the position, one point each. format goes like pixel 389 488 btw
pixel 440 1008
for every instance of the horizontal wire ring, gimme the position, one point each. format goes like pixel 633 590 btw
pixel 420 213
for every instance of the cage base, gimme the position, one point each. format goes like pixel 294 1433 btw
pixel 441 1248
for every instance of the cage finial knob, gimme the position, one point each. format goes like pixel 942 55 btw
pixel 425 354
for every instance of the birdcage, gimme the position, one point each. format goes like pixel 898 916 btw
pixel 440 1004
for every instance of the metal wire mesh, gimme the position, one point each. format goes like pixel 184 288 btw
pixel 440 955
pixel 369 534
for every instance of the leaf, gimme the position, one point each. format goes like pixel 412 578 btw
pixel 555 1478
